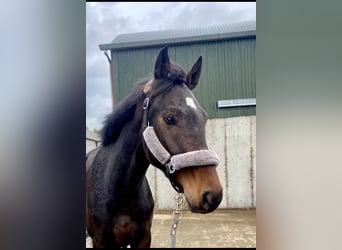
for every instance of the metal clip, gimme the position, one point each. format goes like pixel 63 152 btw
pixel 179 203
pixel 179 200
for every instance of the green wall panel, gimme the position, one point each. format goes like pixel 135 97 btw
pixel 228 71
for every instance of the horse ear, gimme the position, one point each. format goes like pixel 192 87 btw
pixel 193 76
pixel 161 68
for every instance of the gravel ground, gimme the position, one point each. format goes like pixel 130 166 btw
pixel 223 228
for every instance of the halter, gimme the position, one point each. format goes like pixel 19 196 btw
pixel 176 162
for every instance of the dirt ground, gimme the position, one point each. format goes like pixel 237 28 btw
pixel 223 228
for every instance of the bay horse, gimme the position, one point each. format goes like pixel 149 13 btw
pixel 159 123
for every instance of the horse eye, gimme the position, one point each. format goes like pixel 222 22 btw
pixel 170 120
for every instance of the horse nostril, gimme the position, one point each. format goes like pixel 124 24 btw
pixel 210 200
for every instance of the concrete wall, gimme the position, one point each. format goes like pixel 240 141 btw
pixel 234 140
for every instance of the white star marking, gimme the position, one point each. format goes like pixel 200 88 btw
pixel 190 102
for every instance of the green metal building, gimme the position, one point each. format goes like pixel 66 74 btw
pixel 228 81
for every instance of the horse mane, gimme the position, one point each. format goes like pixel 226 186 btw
pixel 124 112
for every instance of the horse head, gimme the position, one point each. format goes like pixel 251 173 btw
pixel 174 133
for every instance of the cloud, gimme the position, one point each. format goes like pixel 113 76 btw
pixel 200 14
pixel 105 21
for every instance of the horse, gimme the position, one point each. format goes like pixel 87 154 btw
pixel 160 123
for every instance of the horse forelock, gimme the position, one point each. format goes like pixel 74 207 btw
pixel 156 87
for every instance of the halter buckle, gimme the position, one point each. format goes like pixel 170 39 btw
pixel 146 103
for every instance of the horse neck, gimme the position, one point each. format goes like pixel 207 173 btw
pixel 128 163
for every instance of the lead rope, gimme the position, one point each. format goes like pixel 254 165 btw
pixel 177 214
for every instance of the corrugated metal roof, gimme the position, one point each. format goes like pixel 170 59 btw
pixel 173 36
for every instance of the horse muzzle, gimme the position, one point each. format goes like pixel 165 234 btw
pixel 209 201
pixel 202 188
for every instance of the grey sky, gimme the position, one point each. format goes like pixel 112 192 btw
pixel 105 21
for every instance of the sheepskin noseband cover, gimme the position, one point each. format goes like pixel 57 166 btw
pixel 189 159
